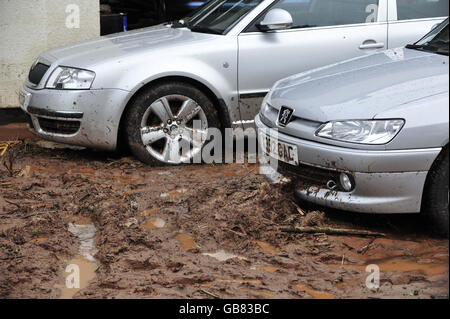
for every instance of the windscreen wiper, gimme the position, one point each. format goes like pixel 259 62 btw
pixel 428 47
pixel 203 29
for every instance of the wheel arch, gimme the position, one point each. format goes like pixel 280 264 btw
pixel 219 103
pixel 432 168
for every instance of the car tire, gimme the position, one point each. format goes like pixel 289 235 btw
pixel 436 196
pixel 158 109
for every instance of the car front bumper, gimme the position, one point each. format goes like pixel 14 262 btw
pixel 87 118
pixel 385 181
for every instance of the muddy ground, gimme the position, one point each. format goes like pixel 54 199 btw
pixel 209 231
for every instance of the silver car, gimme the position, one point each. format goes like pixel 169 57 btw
pixel 146 87
pixel 370 134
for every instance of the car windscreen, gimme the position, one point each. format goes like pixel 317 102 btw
pixel 218 16
pixel 436 41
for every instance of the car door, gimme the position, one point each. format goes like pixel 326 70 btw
pixel 323 32
pixel 410 20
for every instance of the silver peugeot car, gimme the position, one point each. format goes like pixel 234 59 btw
pixel 370 134
pixel 146 87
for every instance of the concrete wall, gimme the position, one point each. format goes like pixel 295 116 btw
pixel 29 27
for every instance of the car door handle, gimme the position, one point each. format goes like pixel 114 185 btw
pixel 371 45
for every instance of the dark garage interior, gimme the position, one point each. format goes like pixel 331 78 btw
pixel 121 15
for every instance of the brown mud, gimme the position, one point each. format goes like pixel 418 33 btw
pixel 192 232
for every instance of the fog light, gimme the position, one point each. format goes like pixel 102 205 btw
pixel 347 183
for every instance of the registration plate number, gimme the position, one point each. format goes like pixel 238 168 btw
pixel 279 150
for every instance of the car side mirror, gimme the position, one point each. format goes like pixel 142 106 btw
pixel 276 19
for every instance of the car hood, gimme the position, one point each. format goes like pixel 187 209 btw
pixel 363 87
pixel 116 47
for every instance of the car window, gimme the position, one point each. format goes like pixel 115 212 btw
pixel 218 16
pixel 320 13
pixel 419 9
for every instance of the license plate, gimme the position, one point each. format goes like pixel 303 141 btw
pixel 21 99
pixel 24 99
pixel 282 151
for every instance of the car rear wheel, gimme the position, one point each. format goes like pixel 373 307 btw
pixel 436 195
pixel 169 123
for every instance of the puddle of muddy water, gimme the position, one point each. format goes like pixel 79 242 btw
pixel 404 263
pixel 148 212
pixel 154 223
pixel 87 272
pixel 14 131
pixel 186 241
pixel 221 255
pixel 267 248
pixel 85 261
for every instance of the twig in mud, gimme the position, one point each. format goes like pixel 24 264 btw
pixel 237 233
pixel 268 220
pixel 209 294
pixel 250 196
pixel 331 231
pixel 84 197
pixel 364 249
pixel 15 204
pixel 9 167
pixel 299 210
pixel 348 246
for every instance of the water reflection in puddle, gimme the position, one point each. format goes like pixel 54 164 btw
pixel 86 235
pixel 85 262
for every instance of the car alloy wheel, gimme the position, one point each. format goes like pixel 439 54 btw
pixel 174 129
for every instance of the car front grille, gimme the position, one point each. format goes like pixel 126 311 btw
pixel 308 175
pixel 58 126
pixel 37 73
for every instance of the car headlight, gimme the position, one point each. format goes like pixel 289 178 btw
pixel 362 132
pixel 264 104
pixel 64 78
pixel 265 111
